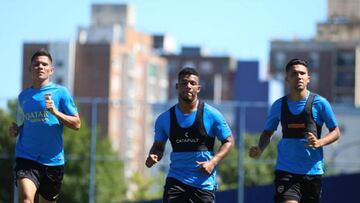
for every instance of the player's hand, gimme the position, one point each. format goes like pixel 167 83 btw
pixel 206 166
pixel 49 103
pixel 14 129
pixel 313 141
pixel 255 152
pixel 151 160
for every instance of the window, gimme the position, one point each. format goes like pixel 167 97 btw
pixel 206 67
pixel 346 58
pixel 314 60
pixel 345 79
pixel 59 81
pixel 173 66
pixel 189 64
pixel 314 81
pixel 280 58
pixel 152 71
pixel 59 64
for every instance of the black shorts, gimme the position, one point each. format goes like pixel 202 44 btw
pixel 47 179
pixel 302 188
pixel 178 192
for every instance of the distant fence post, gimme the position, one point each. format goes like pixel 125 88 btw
pixel 15 194
pixel 93 150
pixel 18 122
pixel 241 147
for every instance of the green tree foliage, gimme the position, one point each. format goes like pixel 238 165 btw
pixel 7 144
pixel 76 180
pixel 148 188
pixel 261 171
pixel 227 173
pixel 257 172
pixel 110 183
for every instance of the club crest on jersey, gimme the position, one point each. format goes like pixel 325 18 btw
pixel 280 189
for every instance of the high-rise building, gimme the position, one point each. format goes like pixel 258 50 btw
pixel 332 54
pixel 345 9
pixel 115 61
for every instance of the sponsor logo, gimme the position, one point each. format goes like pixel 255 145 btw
pixel 21 173
pixel 187 140
pixel 37 116
pixel 280 189
pixel 297 125
pixel 54 197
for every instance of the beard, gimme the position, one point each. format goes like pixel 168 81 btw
pixel 187 99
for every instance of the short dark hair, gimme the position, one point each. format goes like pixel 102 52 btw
pixel 41 52
pixel 188 71
pixel 296 61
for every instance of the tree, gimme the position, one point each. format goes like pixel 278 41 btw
pixel 228 170
pixel 148 188
pixel 257 172
pixel 7 144
pixel 261 171
pixel 110 183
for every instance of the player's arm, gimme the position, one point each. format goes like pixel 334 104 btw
pixel 332 136
pixel 328 116
pixel 70 121
pixel 155 154
pixel 224 149
pixel 272 122
pixel 264 140
pixel 222 131
pixel 14 129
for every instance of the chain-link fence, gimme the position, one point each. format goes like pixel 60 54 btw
pixel 116 136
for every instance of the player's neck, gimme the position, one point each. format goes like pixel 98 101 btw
pixel 298 95
pixel 38 84
pixel 188 107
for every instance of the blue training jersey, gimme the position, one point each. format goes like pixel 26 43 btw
pixel 293 156
pixel 40 138
pixel 183 166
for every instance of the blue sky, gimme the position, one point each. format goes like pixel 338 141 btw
pixel 240 28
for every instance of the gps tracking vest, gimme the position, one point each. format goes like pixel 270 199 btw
pixel 193 138
pixel 296 126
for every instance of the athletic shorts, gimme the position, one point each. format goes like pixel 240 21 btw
pixel 47 179
pixel 302 188
pixel 178 192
